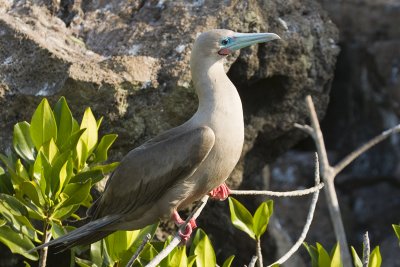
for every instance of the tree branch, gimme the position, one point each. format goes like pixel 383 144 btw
pixel 259 253
pixel 310 217
pixel 295 193
pixel 328 175
pixel 145 240
pixel 356 153
pixel 177 238
pixel 253 261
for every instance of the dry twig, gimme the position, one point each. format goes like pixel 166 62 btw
pixel 366 250
pixel 310 217
pixel 145 240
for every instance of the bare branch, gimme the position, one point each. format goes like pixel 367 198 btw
pixel 310 217
pixel 295 193
pixel 305 128
pixel 328 175
pixel 366 250
pixel 356 153
pixel 177 238
pixel 145 240
pixel 253 261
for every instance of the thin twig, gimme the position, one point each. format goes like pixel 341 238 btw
pixel 328 175
pixel 145 240
pixel 253 261
pixel 310 217
pixel 295 193
pixel 356 153
pixel 366 250
pixel 177 238
pixel 259 253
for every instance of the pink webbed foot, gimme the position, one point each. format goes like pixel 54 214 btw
pixel 185 235
pixel 221 192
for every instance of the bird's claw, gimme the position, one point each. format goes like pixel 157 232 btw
pixel 221 192
pixel 188 229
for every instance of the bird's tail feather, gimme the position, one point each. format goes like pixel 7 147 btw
pixel 87 234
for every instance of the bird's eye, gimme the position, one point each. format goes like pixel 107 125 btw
pixel 226 41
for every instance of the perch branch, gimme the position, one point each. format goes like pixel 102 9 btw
pixel 366 250
pixel 44 251
pixel 295 193
pixel 177 239
pixel 145 240
pixel 310 217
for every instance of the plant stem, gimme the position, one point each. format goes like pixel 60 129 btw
pixel 45 238
pixel 259 253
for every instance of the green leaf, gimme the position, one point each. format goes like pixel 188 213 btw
pixel 191 260
pixel 42 173
pixel 106 168
pixel 22 141
pixel 356 259
pixel 375 259
pixel 261 218
pixel 204 251
pixel 43 125
pixel 228 261
pixel 96 253
pixel 313 252
pixel 50 150
pixel 32 190
pixel 323 256
pixel 72 141
pixel 396 229
pixel 102 149
pixel 179 258
pixel 81 154
pixel 13 205
pixel 76 193
pixel 90 136
pixel 64 212
pixel 99 121
pixel 335 257
pixel 95 175
pixel 119 242
pixel 17 243
pixel 241 217
pixel 64 118
pixel 84 263
pixel 21 171
pixel 6 186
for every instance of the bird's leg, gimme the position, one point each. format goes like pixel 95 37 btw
pixel 221 192
pixel 189 227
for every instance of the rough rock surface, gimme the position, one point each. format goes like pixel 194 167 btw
pixel 128 60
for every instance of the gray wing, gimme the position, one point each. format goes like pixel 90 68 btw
pixel 148 171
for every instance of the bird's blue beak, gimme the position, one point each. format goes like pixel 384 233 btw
pixel 240 40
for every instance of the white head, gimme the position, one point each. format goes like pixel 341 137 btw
pixel 218 43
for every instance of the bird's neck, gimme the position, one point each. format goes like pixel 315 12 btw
pixel 217 95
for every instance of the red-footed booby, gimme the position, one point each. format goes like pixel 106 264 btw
pixel 181 165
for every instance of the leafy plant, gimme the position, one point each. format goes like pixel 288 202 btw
pixel 254 226
pixel 375 258
pixel 321 258
pixel 54 163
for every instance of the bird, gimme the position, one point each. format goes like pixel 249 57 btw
pixel 181 165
